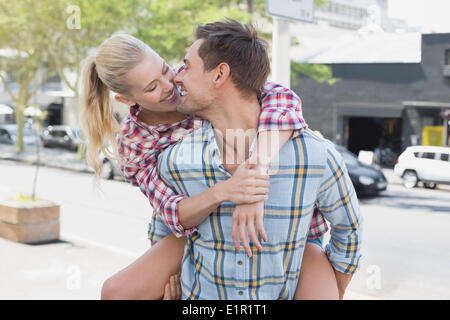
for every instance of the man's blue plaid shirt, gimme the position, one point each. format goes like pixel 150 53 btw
pixel 308 172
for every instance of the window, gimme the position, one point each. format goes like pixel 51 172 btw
pixel 349 159
pixel 3 134
pixel 59 133
pixel 445 157
pixel 447 57
pixel 429 155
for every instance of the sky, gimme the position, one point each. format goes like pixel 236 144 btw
pixel 430 15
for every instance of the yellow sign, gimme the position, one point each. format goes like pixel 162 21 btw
pixel 433 136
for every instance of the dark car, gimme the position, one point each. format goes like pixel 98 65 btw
pixel 64 137
pixel 8 135
pixel 366 179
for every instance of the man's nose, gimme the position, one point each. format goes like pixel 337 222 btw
pixel 179 77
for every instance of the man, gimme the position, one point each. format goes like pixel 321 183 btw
pixel 216 85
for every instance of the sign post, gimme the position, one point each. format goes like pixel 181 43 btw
pixel 280 10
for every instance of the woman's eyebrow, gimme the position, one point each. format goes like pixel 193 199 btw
pixel 162 71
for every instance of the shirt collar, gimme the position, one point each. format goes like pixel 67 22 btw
pixel 211 139
pixel 134 112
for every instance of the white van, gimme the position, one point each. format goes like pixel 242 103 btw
pixel 428 164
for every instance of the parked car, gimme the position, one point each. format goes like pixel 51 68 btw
pixel 8 135
pixel 61 137
pixel 427 164
pixel 110 168
pixel 367 180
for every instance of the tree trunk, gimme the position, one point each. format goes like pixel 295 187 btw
pixel 250 6
pixel 20 120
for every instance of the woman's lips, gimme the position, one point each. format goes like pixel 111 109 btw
pixel 172 97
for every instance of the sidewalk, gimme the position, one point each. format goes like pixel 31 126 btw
pixel 65 270
pixel 53 158
pixel 58 270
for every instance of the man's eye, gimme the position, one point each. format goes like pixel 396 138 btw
pixel 152 89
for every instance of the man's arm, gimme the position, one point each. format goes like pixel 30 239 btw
pixel 338 203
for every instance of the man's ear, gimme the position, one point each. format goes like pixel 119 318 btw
pixel 222 74
pixel 122 99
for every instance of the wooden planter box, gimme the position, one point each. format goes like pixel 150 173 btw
pixel 29 222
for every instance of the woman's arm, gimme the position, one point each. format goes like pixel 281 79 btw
pixel 181 213
pixel 245 186
pixel 247 217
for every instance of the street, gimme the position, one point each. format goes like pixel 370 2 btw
pixel 405 242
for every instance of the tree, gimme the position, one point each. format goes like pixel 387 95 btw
pixel 25 61
pixel 45 40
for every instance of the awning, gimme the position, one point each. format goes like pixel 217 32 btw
pixel 426 104
pixel 5 109
pixel 365 109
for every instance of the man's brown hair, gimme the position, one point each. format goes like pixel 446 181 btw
pixel 239 46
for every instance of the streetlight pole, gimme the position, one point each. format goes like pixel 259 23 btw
pixel 281 47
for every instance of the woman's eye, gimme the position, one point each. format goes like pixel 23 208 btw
pixel 167 70
pixel 150 90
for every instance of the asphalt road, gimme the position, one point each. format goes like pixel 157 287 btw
pixel 406 241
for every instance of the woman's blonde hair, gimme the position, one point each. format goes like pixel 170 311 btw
pixel 105 72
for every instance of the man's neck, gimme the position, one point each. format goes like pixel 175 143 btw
pixel 233 117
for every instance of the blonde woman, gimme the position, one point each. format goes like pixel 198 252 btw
pixel 141 79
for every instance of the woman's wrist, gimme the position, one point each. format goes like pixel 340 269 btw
pixel 262 162
pixel 219 191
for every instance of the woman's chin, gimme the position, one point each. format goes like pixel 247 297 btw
pixel 172 106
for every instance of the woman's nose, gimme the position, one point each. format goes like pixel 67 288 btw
pixel 169 79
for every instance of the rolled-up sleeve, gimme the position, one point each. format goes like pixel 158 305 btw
pixel 157 229
pixel 281 109
pixel 338 203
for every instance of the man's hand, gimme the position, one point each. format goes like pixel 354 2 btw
pixel 248 217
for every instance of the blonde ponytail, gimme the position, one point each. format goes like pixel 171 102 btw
pixel 98 122
pixel 103 73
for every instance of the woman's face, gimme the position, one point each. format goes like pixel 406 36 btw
pixel 152 85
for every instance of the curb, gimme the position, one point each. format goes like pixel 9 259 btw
pixel 44 164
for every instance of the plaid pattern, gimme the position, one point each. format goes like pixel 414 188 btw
pixel 140 145
pixel 318 225
pixel 308 173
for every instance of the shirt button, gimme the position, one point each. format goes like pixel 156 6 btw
pixel 240 262
pixel 241 293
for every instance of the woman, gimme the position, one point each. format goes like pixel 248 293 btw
pixel 142 80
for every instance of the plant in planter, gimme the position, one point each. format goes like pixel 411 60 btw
pixel 25 220
pixel 29 219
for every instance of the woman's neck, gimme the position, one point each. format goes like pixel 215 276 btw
pixel 156 118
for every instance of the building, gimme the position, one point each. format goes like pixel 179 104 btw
pixel 383 104
pixel 352 14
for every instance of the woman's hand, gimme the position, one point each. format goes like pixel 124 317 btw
pixel 248 217
pixel 247 185
pixel 172 290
